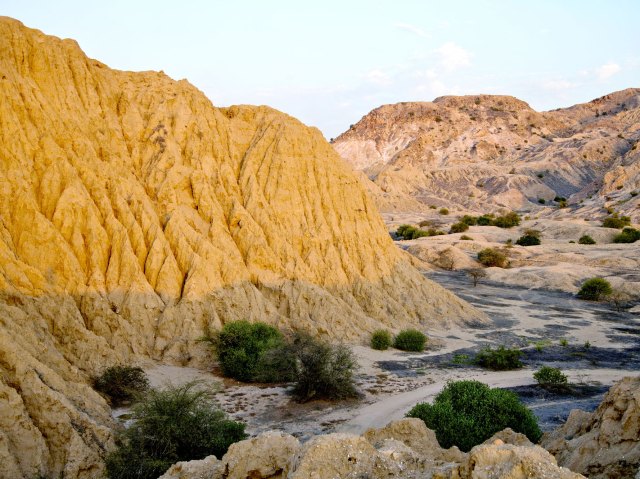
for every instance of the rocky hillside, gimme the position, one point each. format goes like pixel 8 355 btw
pixel 135 216
pixel 482 152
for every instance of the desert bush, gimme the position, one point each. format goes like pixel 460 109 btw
pixel 381 339
pixel 459 227
pixel 548 376
pixel 476 275
pixel 586 239
pixel 323 370
pixel 176 424
pixel 594 289
pixel 528 240
pixel 444 211
pixel 492 257
pixel 424 223
pixel 410 340
pixel 501 359
pixel 466 238
pixel 408 232
pixel 121 384
pixel 628 235
pixel 241 348
pixel 467 413
pixel 542 201
pixel 507 221
pixel 485 220
pixel 615 221
pixel 469 220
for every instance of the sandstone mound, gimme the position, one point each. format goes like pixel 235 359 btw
pixel 404 449
pixel 134 216
pixel 605 443
pixel 483 152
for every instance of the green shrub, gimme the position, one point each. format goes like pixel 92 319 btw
pixel 485 220
pixel 444 211
pixel 628 235
pixel 121 384
pixel 492 257
pixel 501 359
pixel 548 376
pixel 381 339
pixel 410 340
pixel 616 222
pixel 241 347
pixel 408 232
pixel 469 220
pixel 467 413
pixel 528 240
pixel 459 228
pixel 586 239
pixel 542 201
pixel 595 289
pixel 323 370
pixel 176 424
pixel 466 238
pixel 507 221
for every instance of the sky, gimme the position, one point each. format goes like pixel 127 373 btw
pixel 329 63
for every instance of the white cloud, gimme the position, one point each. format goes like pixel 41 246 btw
pixel 558 85
pixel 412 28
pixel 453 56
pixel 378 77
pixel 607 71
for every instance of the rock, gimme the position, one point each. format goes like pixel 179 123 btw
pixel 207 468
pixel 507 461
pixel 262 457
pixel 605 443
pixel 509 436
pixel 135 216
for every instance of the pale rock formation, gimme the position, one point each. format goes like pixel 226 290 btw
pixel 265 456
pixel 208 468
pixel 605 443
pixel 482 153
pixel 404 449
pixel 135 216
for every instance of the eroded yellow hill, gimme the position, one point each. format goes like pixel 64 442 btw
pixel 134 216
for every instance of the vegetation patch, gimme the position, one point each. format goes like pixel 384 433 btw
pixel 121 384
pixel 381 339
pixel 501 359
pixel 628 235
pixel 176 424
pixel 529 238
pixel 492 257
pixel 459 227
pixel 410 340
pixel 616 221
pixel 595 289
pixel 551 378
pixel 467 413
pixel 586 239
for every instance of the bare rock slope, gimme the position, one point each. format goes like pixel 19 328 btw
pixel 134 216
pixel 483 152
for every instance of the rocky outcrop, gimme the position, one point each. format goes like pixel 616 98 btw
pixel 135 216
pixel 605 443
pixel 403 449
pixel 484 152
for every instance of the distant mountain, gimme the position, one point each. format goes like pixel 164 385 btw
pixel 485 152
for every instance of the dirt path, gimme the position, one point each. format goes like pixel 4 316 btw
pixel 395 407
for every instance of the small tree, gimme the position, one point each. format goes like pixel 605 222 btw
pixel 618 299
pixel 476 275
pixel 121 384
pixel 381 339
pixel 492 257
pixel 175 424
pixel 594 289
pixel 410 340
pixel 467 413
pixel 323 370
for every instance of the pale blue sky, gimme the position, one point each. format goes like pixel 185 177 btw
pixel 329 63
